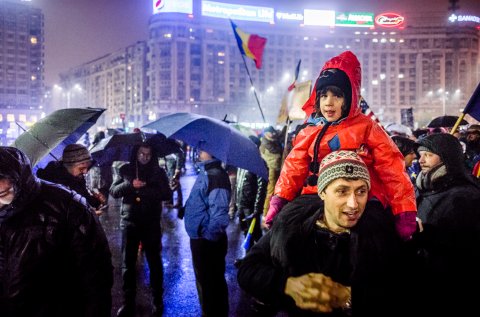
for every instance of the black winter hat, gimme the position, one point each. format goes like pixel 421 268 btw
pixel 448 148
pixel 405 145
pixel 338 78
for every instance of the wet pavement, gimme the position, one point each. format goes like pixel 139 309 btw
pixel 180 297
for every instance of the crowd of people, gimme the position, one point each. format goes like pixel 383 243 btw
pixel 357 220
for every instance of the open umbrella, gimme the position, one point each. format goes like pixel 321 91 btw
pixel 46 139
pixel 217 138
pixel 118 147
pixel 445 122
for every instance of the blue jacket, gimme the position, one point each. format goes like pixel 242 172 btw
pixel 206 209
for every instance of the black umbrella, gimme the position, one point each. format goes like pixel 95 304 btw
pixel 118 147
pixel 47 138
pixel 445 122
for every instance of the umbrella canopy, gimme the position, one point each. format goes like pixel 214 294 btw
pixel 119 147
pixel 217 138
pixel 399 129
pixel 51 134
pixel 445 122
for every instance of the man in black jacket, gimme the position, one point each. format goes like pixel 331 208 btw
pixel 70 172
pixel 54 256
pixel 448 201
pixel 142 185
pixel 317 254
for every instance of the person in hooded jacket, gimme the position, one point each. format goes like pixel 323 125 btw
pixel 54 256
pixel 335 122
pixel 143 185
pixel 448 253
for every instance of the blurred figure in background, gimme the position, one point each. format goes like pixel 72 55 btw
pixel 271 151
pixel 251 191
pixel 100 176
pixel 174 163
pixel 408 148
pixel 472 140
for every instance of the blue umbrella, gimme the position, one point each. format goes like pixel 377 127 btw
pixel 118 147
pixel 46 139
pixel 215 136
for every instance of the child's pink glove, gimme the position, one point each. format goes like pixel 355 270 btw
pixel 406 224
pixel 276 204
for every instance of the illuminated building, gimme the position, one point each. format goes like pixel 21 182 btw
pixel 193 63
pixel 21 68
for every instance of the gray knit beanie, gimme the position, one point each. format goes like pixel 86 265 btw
pixel 75 153
pixel 341 164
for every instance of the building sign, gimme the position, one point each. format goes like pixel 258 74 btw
pixel 354 19
pixel 237 12
pixel 289 16
pixel 389 20
pixel 464 18
pixel 179 6
pixel 319 17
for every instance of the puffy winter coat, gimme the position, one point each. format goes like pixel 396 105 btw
pixel 142 205
pixel 206 209
pixel 389 182
pixel 54 256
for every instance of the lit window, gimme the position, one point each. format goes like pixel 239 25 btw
pixel 10 117
pixel 22 118
pixel 33 40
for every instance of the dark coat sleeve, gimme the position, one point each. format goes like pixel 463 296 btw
pixel 258 276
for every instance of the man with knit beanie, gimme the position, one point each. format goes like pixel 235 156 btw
pixel 339 256
pixel 335 122
pixel 448 200
pixel 70 171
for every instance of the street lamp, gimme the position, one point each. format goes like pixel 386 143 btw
pixel 68 93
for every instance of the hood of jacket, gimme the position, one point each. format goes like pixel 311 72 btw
pixel 347 62
pixel 15 165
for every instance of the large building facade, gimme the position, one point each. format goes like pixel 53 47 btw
pixel 191 63
pixel 21 68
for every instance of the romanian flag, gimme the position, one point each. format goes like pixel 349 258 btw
pixel 473 105
pixel 476 170
pixel 297 71
pixel 250 45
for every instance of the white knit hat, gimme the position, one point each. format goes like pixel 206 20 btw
pixel 341 164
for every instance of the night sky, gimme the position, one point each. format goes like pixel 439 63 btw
pixel 78 31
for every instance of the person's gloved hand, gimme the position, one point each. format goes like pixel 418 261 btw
pixel 406 224
pixel 276 204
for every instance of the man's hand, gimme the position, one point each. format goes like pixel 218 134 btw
pixel 101 197
pixel 138 183
pixel 317 292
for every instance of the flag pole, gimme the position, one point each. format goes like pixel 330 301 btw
pixel 284 154
pixel 254 90
pixel 459 120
